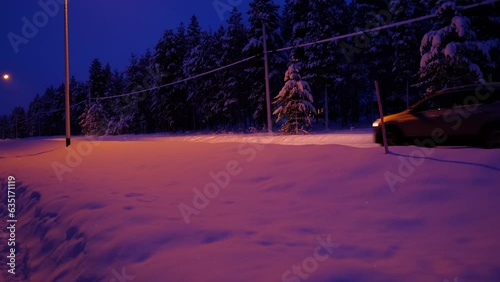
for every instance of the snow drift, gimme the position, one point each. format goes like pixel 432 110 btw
pixel 115 210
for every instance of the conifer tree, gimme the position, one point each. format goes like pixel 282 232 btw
pixel 170 105
pixel 294 102
pixel 232 82
pixel 94 120
pixel 452 55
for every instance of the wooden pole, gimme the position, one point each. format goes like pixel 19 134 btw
pixel 384 135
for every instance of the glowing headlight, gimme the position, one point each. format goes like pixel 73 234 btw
pixel 376 123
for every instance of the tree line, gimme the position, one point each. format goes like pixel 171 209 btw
pixel 456 47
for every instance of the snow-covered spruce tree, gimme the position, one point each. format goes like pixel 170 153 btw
pixel 4 124
pixel 133 114
pixel 100 83
pixel 94 120
pixel 232 82
pixel 97 79
pixel 326 18
pixel 79 93
pixel 18 123
pixel 34 116
pixel 295 25
pixel 203 90
pixel 451 52
pixel 122 110
pixel 294 102
pixel 169 105
pixel 195 40
pixel 52 102
pixel 210 94
pixel 324 63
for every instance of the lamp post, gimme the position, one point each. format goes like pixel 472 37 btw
pixel 66 55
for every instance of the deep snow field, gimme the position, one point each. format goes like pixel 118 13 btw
pixel 320 208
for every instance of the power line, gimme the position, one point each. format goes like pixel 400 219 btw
pixel 62 109
pixel 180 81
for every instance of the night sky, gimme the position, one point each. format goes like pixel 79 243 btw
pixel 108 30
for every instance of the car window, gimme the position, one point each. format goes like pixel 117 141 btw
pixel 423 106
pixel 457 99
pixel 494 96
pixel 471 97
pixel 444 101
pixel 465 98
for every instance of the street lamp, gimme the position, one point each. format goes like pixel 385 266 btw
pixel 6 76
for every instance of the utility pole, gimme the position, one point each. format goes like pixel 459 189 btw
pixel 266 70
pixel 66 56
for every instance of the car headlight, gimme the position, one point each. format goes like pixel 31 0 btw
pixel 376 123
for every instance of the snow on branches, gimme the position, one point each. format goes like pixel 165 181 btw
pixel 451 53
pixel 294 101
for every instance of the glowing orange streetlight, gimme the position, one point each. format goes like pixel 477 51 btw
pixel 6 76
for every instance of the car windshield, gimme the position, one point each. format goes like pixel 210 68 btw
pixel 442 101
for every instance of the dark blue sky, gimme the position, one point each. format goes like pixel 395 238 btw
pixel 108 30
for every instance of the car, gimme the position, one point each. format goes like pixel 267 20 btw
pixel 467 115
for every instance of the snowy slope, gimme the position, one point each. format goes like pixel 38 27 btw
pixel 323 210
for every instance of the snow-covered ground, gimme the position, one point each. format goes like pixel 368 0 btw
pixel 332 208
